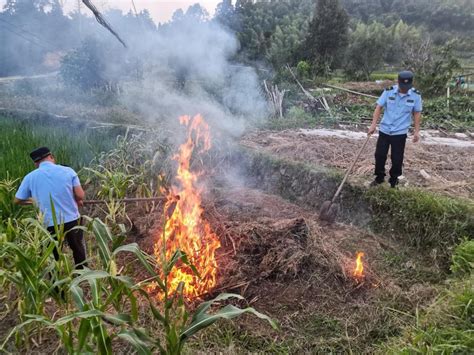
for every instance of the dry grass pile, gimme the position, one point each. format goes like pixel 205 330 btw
pixel 266 238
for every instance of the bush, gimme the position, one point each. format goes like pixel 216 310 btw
pixel 304 70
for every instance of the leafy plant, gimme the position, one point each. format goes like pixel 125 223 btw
pixel 8 209
pixel 111 298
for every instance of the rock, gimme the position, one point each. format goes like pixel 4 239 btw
pixel 425 174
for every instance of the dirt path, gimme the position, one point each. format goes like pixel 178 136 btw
pixel 442 164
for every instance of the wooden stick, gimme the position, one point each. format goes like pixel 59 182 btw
pixel 350 169
pixel 126 200
pixel 350 91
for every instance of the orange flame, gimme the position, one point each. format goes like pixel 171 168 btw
pixel 359 269
pixel 186 229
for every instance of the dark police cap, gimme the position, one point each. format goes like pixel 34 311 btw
pixel 405 79
pixel 40 153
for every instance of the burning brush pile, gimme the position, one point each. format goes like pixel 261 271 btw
pixel 236 236
pixel 184 227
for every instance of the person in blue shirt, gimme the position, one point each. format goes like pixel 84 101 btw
pixel 61 186
pixel 400 103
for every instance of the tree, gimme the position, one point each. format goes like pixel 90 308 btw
pixel 368 48
pixel 286 41
pixel 328 36
pixel 197 13
pixel 433 67
pixel 178 15
pixel 225 14
pixel 84 68
pixel 403 36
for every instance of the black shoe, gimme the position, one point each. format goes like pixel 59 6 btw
pixel 376 182
pixel 393 183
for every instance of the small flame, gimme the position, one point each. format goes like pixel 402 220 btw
pixel 359 269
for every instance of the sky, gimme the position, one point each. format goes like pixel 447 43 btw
pixel 160 10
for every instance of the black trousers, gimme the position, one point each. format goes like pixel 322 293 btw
pixel 397 146
pixel 75 240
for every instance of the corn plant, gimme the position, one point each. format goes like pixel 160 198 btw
pixel 177 322
pixel 8 209
pixel 112 300
pixel 111 295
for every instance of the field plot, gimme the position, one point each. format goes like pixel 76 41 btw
pixel 440 164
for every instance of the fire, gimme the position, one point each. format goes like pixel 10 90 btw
pixel 186 229
pixel 359 269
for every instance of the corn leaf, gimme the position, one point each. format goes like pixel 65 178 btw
pixel 137 341
pixel 203 320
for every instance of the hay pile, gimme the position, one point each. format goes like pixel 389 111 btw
pixel 267 239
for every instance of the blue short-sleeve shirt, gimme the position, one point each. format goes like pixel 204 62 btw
pixel 56 182
pixel 398 110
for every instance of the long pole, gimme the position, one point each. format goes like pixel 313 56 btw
pixel 126 200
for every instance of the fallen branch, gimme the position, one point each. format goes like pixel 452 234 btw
pixel 102 21
pixel 125 200
pixel 321 101
pixel 350 91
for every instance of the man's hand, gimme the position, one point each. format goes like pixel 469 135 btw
pixel 372 129
pixel 416 137
pixel 28 202
pixel 79 195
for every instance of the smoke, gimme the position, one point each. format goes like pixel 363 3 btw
pixel 188 69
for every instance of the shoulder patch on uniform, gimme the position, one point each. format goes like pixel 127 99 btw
pixel 389 88
pixel 416 91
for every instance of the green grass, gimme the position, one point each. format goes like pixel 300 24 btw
pixel 383 76
pixel 445 327
pixel 424 219
pixel 71 144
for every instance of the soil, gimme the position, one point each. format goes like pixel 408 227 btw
pixel 440 164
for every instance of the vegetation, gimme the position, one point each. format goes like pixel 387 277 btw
pixel 100 308
pixel 18 139
pixel 412 237
pixel 327 36
pixel 446 325
pixel 277 32
pixel 424 219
